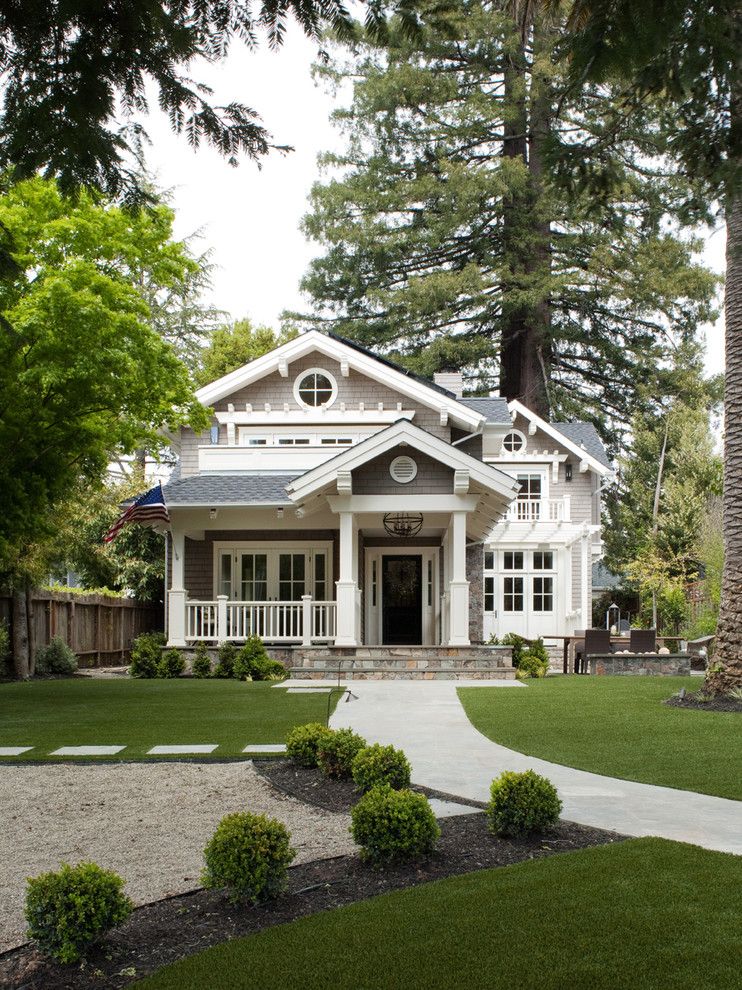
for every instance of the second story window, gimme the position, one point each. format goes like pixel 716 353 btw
pixel 315 388
pixel 514 442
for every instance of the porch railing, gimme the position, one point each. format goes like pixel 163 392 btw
pixel 306 621
pixel 534 510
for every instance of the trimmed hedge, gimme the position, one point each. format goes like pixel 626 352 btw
pixel 337 750
pixel 378 764
pixel 248 856
pixel 392 825
pixel 146 652
pixel 521 803
pixel 201 665
pixel 172 664
pixel 302 742
pixel 70 910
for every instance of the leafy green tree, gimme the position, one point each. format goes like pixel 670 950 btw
pixel 235 344
pixel 683 56
pixel 76 78
pixel 446 240
pixel 134 561
pixel 657 512
pixel 83 375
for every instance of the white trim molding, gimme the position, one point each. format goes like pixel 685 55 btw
pixel 355 360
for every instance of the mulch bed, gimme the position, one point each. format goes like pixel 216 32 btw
pixel 704 703
pixel 167 930
pixel 311 786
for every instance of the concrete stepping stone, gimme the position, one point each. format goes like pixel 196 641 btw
pixel 265 748
pixel 450 809
pixel 180 750
pixel 88 750
pixel 14 750
pixel 308 690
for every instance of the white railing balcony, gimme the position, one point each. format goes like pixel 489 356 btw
pixel 306 621
pixel 534 510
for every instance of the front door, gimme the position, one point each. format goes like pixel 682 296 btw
pixel 401 578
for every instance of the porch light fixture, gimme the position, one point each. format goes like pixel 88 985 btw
pixel 279 513
pixel 403 524
pixel 213 513
pixel 567 471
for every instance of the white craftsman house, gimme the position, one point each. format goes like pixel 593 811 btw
pixel 338 499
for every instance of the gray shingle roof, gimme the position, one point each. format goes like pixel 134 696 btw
pixel 493 407
pixel 586 436
pixel 229 489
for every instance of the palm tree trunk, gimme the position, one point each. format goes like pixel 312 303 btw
pixel 726 670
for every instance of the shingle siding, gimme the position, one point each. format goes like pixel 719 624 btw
pixel 432 478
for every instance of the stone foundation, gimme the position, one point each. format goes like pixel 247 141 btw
pixel 642 664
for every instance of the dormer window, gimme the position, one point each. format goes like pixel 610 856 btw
pixel 514 442
pixel 315 389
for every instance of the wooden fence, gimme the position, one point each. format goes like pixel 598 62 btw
pixel 99 629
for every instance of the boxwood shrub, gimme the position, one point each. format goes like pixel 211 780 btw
pixel 248 856
pixel 172 664
pixel 302 742
pixel 393 825
pixel 70 910
pixel 337 750
pixel 201 664
pixel 521 803
pixel 253 663
pixel 225 660
pixel 378 764
pixel 146 651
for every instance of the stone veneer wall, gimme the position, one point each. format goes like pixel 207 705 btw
pixel 474 568
pixel 642 664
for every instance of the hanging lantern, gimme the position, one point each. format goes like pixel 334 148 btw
pixel 403 524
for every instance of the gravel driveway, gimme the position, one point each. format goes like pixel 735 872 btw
pixel 149 822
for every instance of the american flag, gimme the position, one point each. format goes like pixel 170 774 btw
pixel 148 507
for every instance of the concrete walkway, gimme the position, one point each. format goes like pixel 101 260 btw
pixel 427 721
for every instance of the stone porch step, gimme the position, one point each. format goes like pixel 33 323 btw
pixel 407 663
pixel 379 672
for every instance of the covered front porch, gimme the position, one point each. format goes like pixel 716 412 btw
pixel 357 585
pixel 379 546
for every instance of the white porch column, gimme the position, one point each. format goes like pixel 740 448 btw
pixel 585 580
pixel 177 595
pixel 458 586
pixel 347 585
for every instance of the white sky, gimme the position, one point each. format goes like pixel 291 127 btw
pixel 249 217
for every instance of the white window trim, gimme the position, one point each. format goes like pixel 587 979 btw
pixel 522 436
pixel 316 371
pixel 273 549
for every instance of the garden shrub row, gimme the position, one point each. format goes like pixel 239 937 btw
pixel 248 855
pixel 248 663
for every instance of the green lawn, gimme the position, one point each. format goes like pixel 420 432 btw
pixel 140 714
pixel 642 914
pixel 616 726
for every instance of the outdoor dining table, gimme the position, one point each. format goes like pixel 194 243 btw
pixel 617 643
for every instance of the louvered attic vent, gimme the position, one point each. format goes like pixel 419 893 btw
pixel 403 469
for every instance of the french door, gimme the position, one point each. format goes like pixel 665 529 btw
pixel 268 574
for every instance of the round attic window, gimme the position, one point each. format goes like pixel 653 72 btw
pixel 403 469
pixel 315 388
pixel 514 442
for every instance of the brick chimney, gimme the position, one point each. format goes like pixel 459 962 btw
pixel 451 380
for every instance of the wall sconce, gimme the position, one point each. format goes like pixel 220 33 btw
pixel 213 513
pixel 568 472
pixel 279 513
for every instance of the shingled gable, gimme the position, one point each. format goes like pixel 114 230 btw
pixel 496 490
pixel 553 430
pixel 349 358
